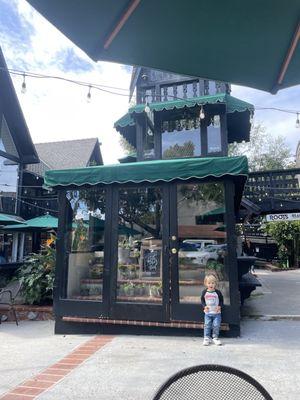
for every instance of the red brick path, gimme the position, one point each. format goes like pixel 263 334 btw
pixel 33 387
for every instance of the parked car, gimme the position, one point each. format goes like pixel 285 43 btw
pixel 212 253
pixel 193 250
pixel 201 244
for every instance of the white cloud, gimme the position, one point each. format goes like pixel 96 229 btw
pixel 56 110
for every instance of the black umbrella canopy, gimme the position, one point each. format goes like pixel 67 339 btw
pixel 252 42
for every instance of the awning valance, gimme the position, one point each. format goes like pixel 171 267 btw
pixel 149 171
pixel 232 105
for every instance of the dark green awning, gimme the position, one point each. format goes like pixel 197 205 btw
pixel 237 111
pixel 232 105
pixel 149 171
pixel 43 222
pixel 7 219
pixel 215 211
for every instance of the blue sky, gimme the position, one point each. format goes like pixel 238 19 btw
pixel 58 110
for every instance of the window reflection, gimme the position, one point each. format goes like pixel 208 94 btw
pixel 86 244
pixel 202 239
pixel 214 144
pixel 140 245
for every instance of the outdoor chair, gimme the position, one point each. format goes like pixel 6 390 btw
pixel 211 382
pixel 7 298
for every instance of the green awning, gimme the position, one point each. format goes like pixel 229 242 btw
pixel 215 211
pixel 238 115
pixel 43 222
pixel 7 219
pixel 232 105
pixel 245 42
pixel 149 171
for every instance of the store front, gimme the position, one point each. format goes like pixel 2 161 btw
pixel 135 240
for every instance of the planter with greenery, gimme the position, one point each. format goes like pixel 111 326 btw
pixel 37 277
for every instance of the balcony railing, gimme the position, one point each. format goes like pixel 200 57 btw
pixel 274 191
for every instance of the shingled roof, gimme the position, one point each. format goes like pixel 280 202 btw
pixel 65 154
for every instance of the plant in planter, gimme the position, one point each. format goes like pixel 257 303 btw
pixel 37 276
pixel 123 271
pixel 96 271
pixel 129 289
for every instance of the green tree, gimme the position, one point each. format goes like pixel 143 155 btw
pixel 126 146
pixel 286 235
pixel 179 151
pixel 264 152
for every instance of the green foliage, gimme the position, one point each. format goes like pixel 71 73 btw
pixel 204 192
pixel 285 234
pixel 264 152
pixel 126 146
pixel 177 151
pixel 37 276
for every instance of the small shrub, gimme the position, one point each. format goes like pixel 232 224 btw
pixel 37 276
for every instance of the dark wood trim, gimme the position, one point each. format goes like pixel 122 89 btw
pixel 10 156
pixel 203 133
pixel 139 139
pixel 224 134
pixel 157 136
pixel 59 287
pixel 233 316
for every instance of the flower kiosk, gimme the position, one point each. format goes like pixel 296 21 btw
pixel 135 241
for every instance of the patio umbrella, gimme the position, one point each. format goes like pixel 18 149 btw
pixel 43 222
pixel 253 43
pixel 6 219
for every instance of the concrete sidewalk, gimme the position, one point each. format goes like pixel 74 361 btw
pixel 279 295
pixel 133 367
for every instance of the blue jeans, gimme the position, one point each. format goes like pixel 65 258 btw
pixel 212 322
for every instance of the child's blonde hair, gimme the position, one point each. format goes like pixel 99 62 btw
pixel 210 276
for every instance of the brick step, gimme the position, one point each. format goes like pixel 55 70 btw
pixel 170 324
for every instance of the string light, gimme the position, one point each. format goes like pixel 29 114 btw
pixel 23 89
pixel 297 121
pixel 89 95
pixel 216 121
pixel 106 89
pixel 201 115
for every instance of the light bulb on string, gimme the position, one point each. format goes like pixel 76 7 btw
pixel 201 115
pixel 23 88
pixel 216 121
pixel 147 108
pixel 89 95
pixel 297 121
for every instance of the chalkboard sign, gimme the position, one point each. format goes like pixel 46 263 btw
pixel 151 263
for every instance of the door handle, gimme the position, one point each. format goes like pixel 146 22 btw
pixel 174 250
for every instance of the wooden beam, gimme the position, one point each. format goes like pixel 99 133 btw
pixel 132 6
pixel 289 55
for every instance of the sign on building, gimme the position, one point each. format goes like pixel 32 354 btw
pixel 283 217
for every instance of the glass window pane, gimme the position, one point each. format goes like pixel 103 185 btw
pixel 214 144
pixel 86 244
pixel 202 239
pixel 140 245
pixel 181 139
pixel 8 184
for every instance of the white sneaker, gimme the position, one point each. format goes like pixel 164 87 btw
pixel 217 341
pixel 206 341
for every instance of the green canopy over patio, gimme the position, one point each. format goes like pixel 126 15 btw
pixel 7 219
pixel 149 171
pixel 43 222
pixel 253 43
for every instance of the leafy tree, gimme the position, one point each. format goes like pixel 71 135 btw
pixel 264 152
pixel 179 151
pixel 286 235
pixel 126 146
